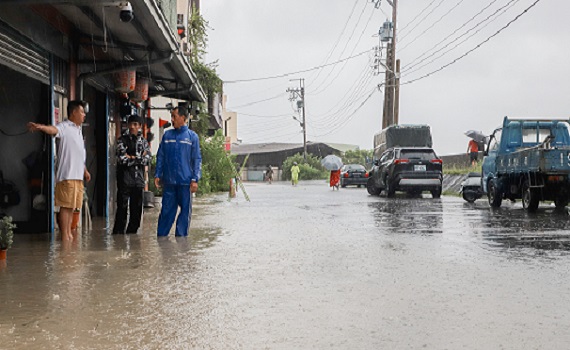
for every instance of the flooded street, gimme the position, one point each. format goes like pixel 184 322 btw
pixel 300 268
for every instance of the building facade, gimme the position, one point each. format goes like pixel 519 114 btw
pixel 114 55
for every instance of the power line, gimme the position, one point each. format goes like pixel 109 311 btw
pixel 431 26
pixel 454 32
pixel 256 102
pixel 504 9
pixel 337 40
pixel 403 29
pixel 476 47
pixel 292 73
pixel 423 19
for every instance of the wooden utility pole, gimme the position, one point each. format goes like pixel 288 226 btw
pixel 390 82
pixel 300 93
pixel 397 95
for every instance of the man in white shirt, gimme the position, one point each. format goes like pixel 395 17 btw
pixel 71 169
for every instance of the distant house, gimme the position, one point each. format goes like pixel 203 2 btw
pixel 263 154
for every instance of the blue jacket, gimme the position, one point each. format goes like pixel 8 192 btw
pixel 178 161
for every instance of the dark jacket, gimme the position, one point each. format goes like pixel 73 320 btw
pixel 179 160
pixel 130 172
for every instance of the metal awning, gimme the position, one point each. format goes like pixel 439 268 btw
pixel 107 44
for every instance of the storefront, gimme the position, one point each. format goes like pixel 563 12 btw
pixel 52 52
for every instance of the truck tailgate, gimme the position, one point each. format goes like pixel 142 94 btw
pixel 535 159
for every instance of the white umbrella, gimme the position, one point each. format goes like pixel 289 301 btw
pixel 331 162
pixel 476 135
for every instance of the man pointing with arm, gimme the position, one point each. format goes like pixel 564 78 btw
pixel 71 169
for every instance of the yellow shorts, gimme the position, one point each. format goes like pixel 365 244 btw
pixel 69 194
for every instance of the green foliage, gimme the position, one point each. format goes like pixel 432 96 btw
pixel 363 157
pixel 455 170
pixel 208 77
pixel 311 169
pixel 217 167
pixel 6 232
pixel 197 35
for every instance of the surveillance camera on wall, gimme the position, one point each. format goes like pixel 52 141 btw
pixel 126 13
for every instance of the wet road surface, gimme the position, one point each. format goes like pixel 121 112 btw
pixel 300 268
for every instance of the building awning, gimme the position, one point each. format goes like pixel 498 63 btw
pixel 107 44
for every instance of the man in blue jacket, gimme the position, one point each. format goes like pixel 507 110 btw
pixel 178 170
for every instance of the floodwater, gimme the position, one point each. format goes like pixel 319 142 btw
pixel 300 268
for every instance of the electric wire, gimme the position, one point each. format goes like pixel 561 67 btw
pixel 431 26
pixel 403 36
pixel 453 33
pixel 474 48
pixel 297 72
pixel 403 29
pixel 345 62
pixel 408 70
pixel 329 54
pixel 260 101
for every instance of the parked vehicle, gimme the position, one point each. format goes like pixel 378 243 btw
pixel 406 135
pixel 408 169
pixel 471 187
pixel 528 160
pixel 353 174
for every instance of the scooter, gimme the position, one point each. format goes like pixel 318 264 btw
pixel 471 187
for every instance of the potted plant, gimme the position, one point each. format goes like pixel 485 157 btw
pixel 6 235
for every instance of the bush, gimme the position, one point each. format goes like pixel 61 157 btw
pixel 216 167
pixel 311 168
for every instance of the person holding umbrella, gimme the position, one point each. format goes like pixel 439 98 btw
pixel 333 164
pixel 473 151
pixel 334 180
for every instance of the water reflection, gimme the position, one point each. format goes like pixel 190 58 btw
pixel 421 215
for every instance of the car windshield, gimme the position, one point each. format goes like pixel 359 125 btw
pixel 353 167
pixel 426 154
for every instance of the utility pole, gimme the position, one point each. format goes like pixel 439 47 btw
pixel 389 92
pixel 300 93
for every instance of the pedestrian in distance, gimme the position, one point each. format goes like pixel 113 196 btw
pixel 473 152
pixel 133 155
pixel 334 180
pixel 71 169
pixel 295 174
pixel 269 174
pixel 178 170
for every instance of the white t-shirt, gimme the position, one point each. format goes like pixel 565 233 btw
pixel 71 152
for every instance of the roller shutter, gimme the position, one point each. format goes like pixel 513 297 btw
pixel 19 54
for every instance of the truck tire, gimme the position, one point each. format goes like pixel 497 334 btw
pixel 373 190
pixel 530 198
pixel 493 194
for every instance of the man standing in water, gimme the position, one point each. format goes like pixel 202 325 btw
pixel 71 169
pixel 133 154
pixel 178 170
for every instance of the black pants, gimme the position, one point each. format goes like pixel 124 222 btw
pixel 130 198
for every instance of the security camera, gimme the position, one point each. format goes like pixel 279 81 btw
pixel 126 13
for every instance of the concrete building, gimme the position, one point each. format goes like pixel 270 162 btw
pixel 107 53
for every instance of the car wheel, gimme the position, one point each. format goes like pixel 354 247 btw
pixel 436 193
pixel 342 185
pixel 493 194
pixel 529 198
pixel 390 191
pixel 359 186
pixel 561 201
pixel 373 190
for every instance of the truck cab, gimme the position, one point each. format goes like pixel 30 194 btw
pixel 528 159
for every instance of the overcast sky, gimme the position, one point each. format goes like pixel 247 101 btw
pixel 521 72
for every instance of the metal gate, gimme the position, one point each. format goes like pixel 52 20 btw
pixel 18 53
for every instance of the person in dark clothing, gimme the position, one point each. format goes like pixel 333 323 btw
pixel 133 154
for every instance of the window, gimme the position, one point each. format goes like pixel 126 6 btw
pixel 417 154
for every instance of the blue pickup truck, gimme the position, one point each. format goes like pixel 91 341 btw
pixel 529 160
